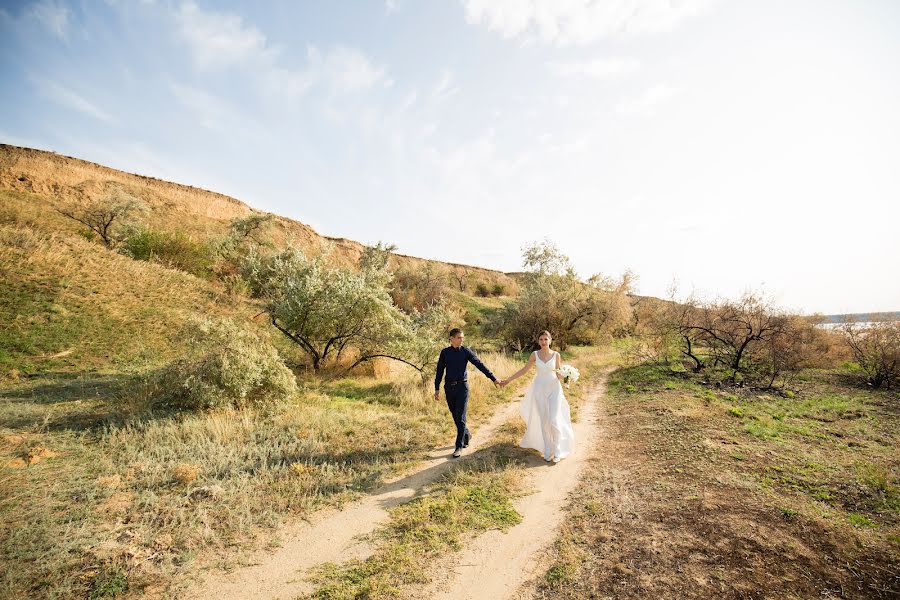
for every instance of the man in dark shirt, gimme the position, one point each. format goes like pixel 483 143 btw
pixel 454 359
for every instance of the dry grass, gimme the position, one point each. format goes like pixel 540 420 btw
pixel 32 181
pixel 698 492
pixel 68 305
pixel 150 500
pixel 99 496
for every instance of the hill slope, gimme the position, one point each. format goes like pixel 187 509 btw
pixel 71 305
pixel 44 179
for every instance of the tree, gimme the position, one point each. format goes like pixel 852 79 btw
pixel 250 229
pixel 334 313
pixel 555 299
pixel 876 348
pixel 104 217
pixel 545 258
pixel 461 277
pixel 748 339
pixel 415 289
pixel 377 257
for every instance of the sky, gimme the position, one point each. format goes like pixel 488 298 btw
pixel 721 145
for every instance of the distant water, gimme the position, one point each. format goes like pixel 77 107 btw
pixel 863 317
pixel 860 324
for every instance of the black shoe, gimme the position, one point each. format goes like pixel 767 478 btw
pixel 466 441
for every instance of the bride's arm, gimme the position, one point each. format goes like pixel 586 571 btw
pixel 558 367
pixel 521 371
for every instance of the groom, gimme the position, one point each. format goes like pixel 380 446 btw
pixel 453 359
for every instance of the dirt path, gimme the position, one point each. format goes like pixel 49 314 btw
pixel 333 535
pixel 500 565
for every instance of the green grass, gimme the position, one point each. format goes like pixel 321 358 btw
pixel 473 497
pixel 860 521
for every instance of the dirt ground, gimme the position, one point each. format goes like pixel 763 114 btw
pixel 669 508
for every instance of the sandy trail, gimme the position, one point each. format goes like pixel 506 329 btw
pixel 332 535
pixel 500 565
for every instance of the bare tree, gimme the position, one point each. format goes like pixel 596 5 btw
pixel 250 228
pixel 104 217
pixel 461 277
pixel 876 348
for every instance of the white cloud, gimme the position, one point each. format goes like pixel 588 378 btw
pixel 600 68
pixel 52 16
pixel 345 69
pixel 444 87
pixel 580 22
pixel 220 40
pixel 69 99
pixel 647 102
pixel 223 40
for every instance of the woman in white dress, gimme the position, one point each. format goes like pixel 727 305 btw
pixel 544 407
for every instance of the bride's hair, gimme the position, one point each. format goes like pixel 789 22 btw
pixel 543 333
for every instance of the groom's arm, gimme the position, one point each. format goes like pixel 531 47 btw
pixel 473 358
pixel 439 374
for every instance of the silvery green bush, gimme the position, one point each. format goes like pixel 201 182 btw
pixel 226 366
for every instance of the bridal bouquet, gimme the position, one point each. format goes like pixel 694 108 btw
pixel 569 373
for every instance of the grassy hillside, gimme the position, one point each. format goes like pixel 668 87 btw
pixel 105 494
pixel 44 179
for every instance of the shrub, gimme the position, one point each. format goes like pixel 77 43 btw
pixel 335 313
pixel 748 340
pixel 415 289
pixel 482 289
pixel 227 366
pixel 876 349
pixel 555 299
pixel 175 250
pixel 105 217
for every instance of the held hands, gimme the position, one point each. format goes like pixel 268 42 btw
pixel 437 394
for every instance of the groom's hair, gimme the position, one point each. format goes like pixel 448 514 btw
pixel 455 332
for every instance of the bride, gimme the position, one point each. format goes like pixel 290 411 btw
pixel 544 407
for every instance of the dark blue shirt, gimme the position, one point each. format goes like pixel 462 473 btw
pixel 454 361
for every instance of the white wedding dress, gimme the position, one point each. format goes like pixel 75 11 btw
pixel 546 413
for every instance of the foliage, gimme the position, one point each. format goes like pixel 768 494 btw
pixel 245 239
pixel 105 217
pixel 250 229
pixel 750 340
pixel 415 289
pixel 377 257
pixel 876 348
pixel 174 250
pixel 555 299
pixel 336 313
pixel 226 366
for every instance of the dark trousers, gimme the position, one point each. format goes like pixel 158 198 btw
pixel 458 403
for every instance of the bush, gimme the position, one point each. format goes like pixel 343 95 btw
pixel 554 298
pixel 415 289
pixel 482 289
pixel 876 349
pixel 175 250
pixel 227 366
pixel 745 341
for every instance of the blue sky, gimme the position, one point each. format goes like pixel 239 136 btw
pixel 727 145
